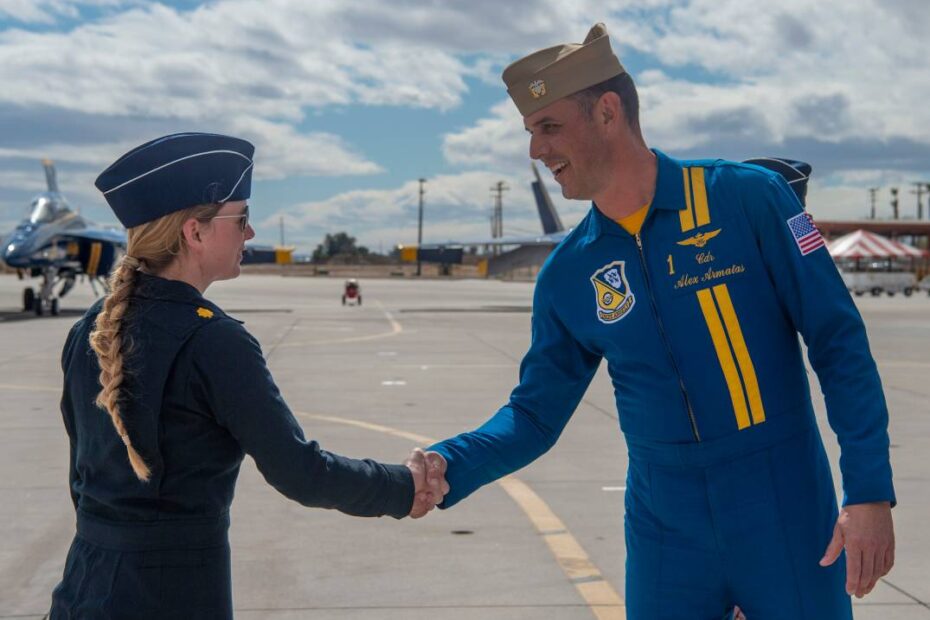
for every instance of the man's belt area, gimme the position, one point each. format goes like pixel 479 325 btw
pixel 774 430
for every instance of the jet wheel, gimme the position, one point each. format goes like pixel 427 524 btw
pixel 53 307
pixel 29 299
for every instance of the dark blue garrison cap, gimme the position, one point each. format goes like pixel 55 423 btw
pixel 176 172
pixel 795 172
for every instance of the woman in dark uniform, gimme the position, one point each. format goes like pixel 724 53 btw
pixel 164 394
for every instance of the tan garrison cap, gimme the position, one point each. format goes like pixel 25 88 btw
pixel 546 76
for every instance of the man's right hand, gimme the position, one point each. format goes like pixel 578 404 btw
pixel 429 480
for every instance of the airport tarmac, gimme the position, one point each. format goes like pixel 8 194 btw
pixel 420 360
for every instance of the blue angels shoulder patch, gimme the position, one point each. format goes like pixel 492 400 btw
pixel 614 297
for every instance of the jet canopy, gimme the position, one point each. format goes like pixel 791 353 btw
pixel 47 208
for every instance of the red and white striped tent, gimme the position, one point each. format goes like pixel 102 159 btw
pixel 864 244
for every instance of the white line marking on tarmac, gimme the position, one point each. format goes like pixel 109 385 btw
pixel 601 597
pixel 613 488
pixel 393 383
pixel 396 328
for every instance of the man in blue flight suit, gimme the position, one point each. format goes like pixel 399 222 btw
pixel 693 280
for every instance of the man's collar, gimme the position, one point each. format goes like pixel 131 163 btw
pixel 667 196
pixel 670 184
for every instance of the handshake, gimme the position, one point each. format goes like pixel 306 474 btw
pixel 429 480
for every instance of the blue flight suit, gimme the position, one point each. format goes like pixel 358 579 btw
pixel 729 493
pixel 199 397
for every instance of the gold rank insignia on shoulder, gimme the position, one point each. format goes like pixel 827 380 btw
pixel 700 240
pixel 204 313
pixel 538 88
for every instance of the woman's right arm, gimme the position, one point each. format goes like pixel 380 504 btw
pixel 234 379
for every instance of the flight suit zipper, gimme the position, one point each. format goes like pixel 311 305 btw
pixel 668 347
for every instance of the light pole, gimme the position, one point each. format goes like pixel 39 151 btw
pixel 420 226
pixel 919 190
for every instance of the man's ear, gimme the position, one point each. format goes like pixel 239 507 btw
pixel 609 109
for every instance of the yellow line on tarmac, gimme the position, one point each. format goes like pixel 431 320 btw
pixel 396 328
pixel 601 597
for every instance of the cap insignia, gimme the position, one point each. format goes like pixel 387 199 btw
pixel 205 313
pixel 538 88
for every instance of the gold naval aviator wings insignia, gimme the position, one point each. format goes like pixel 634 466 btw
pixel 538 88
pixel 700 240
pixel 614 297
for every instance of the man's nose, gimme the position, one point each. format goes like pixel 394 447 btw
pixel 539 147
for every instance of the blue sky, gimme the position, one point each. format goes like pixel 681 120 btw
pixel 350 102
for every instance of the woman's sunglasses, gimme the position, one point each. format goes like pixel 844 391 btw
pixel 242 217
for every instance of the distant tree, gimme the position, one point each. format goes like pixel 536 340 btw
pixel 339 245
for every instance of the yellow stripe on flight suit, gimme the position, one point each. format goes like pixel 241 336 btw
pixel 687 215
pixel 746 368
pixel 701 212
pixel 723 324
pixel 725 357
pixel 93 262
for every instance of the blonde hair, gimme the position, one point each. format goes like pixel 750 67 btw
pixel 151 247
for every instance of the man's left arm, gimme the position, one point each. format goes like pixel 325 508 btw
pixel 816 299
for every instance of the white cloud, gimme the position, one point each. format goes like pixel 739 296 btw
pixel 48 11
pixel 283 152
pixel 272 59
pixel 499 140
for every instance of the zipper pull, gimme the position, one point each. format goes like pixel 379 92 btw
pixel 639 241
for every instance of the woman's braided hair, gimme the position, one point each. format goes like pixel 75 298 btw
pixel 151 247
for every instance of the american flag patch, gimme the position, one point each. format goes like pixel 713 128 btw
pixel 805 233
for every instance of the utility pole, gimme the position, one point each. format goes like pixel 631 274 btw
pixel 872 192
pixel 497 227
pixel 919 189
pixel 894 202
pixel 420 227
pixel 282 231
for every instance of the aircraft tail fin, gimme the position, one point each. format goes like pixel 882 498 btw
pixel 50 177
pixel 551 222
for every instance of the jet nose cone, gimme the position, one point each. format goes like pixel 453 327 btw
pixel 15 254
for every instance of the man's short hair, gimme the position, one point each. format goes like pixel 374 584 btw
pixel 623 86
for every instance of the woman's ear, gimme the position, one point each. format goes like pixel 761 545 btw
pixel 192 230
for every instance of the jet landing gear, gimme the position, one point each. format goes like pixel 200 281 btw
pixel 51 306
pixel 29 299
pixel 34 303
pixel 45 301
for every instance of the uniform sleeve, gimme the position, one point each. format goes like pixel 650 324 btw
pixel 239 389
pixel 821 309
pixel 554 375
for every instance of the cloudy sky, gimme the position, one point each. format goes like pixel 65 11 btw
pixel 349 102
